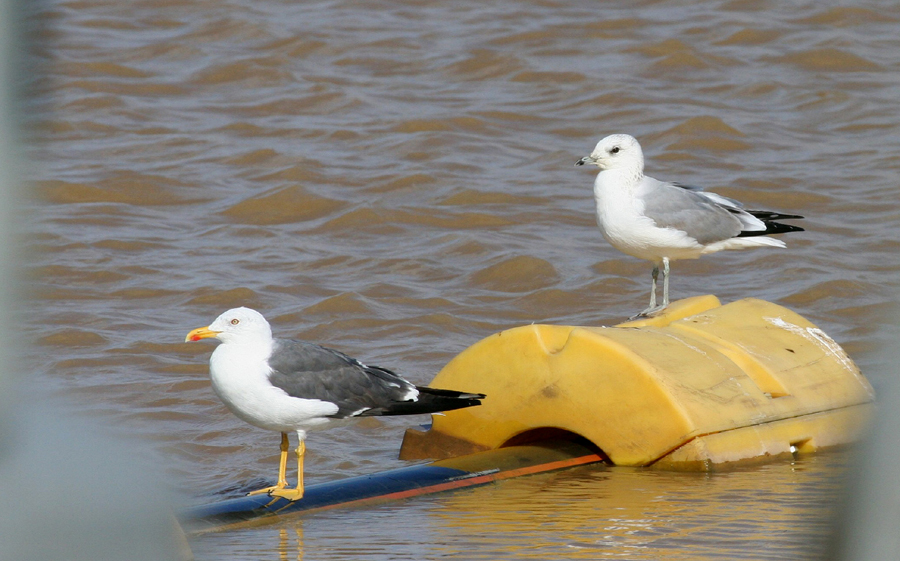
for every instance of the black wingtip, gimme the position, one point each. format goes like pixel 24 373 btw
pixel 767 215
pixel 771 228
pixel 784 228
pixel 452 394
pixel 768 218
pixel 448 400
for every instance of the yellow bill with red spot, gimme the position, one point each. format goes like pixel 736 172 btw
pixel 200 333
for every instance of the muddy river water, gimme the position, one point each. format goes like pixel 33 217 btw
pixel 395 179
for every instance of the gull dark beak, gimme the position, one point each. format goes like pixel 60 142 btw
pixel 582 161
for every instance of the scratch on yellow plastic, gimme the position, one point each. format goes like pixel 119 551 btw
pixel 702 383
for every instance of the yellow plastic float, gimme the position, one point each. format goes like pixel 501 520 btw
pixel 700 385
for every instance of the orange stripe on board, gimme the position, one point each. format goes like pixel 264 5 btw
pixel 467 482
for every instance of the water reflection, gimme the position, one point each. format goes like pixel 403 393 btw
pixel 772 511
pixel 290 543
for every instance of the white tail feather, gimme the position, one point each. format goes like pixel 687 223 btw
pixel 742 243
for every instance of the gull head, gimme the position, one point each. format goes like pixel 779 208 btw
pixel 616 151
pixel 238 325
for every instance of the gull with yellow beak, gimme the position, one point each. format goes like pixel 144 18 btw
pixel 286 385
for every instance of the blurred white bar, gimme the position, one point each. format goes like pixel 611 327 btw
pixel 68 491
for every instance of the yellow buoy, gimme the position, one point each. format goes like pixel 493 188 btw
pixel 699 385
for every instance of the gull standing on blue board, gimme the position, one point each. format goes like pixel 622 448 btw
pixel 286 385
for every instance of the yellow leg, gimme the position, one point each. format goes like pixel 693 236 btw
pixel 282 468
pixel 282 462
pixel 301 451
pixel 294 494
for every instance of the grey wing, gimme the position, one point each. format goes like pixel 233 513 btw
pixel 310 371
pixel 726 202
pixel 752 221
pixel 706 217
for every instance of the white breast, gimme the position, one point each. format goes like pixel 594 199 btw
pixel 620 216
pixel 239 375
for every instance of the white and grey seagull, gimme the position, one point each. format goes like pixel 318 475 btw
pixel 286 385
pixel 661 221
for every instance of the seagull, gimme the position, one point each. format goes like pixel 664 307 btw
pixel 661 221
pixel 286 385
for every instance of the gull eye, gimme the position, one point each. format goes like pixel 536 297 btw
pixel 235 321
pixel 614 150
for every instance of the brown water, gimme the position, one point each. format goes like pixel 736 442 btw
pixel 396 180
pixel 585 513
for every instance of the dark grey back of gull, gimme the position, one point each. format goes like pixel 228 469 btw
pixel 309 371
